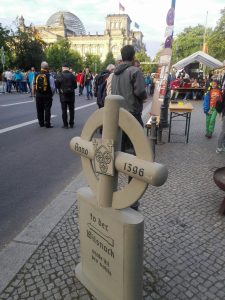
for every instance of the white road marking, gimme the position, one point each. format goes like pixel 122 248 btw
pixel 83 106
pixel 21 125
pixel 16 103
pixel 36 120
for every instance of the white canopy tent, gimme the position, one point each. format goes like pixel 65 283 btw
pixel 201 57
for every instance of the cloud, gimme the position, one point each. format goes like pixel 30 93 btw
pixel 150 15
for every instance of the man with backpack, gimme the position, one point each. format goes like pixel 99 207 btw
pixel 100 85
pixel 44 88
pixel 66 84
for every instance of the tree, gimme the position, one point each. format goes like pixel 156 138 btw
pixel 60 52
pixel 27 52
pixel 109 60
pixel 4 42
pixel 93 62
pixel 217 39
pixel 145 61
pixel 188 42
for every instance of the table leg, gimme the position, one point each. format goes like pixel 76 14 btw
pixel 170 127
pixel 186 123
pixel 188 128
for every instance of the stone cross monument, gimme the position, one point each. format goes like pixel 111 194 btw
pixel 111 233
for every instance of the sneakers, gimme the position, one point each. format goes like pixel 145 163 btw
pixel 219 150
pixel 208 135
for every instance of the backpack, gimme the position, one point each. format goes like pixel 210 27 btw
pixel 67 85
pixel 219 106
pixel 100 87
pixel 41 83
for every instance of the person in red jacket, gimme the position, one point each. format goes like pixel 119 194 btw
pixel 176 83
pixel 80 82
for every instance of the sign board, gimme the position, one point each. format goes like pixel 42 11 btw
pixel 109 239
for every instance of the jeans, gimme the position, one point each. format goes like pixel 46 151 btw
pixel 8 86
pixel 88 90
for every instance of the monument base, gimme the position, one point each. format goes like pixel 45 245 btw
pixel 111 244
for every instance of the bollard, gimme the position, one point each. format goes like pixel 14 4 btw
pixel 153 135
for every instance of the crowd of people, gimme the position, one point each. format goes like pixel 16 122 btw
pixel 19 80
pixel 134 86
pixel 182 79
pixel 212 91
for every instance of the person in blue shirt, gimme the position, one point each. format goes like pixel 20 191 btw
pixel 31 75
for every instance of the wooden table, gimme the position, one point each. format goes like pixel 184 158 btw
pixel 181 109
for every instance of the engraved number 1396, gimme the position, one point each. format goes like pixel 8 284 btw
pixel 133 169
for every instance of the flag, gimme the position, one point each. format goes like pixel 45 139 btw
pixel 136 25
pixel 121 7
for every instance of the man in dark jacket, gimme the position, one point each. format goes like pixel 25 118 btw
pixel 128 81
pixel 66 84
pixel 44 88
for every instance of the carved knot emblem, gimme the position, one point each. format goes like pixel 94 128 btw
pixel 104 157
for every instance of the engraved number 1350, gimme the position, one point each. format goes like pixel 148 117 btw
pixel 133 169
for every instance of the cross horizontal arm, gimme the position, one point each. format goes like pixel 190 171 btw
pixel 149 172
pixel 82 147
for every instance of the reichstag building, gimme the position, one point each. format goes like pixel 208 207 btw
pixel 117 33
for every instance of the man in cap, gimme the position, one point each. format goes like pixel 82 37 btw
pixel 66 84
pixel 44 88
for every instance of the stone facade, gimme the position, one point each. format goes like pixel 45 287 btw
pixel 117 33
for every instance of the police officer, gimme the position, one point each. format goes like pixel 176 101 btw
pixel 44 88
pixel 66 84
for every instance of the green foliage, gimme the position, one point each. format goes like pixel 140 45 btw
pixel 4 37
pixel 5 40
pixel 27 52
pixel 145 61
pixel 188 42
pixel 217 39
pixel 93 62
pixel 60 52
pixel 109 60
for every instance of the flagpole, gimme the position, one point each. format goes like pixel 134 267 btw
pixel 204 36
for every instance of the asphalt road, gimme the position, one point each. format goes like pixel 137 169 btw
pixel 36 163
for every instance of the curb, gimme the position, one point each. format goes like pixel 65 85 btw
pixel 17 252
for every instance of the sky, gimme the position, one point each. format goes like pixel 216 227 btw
pixel 148 14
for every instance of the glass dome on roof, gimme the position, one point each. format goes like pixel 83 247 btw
pixel 71 21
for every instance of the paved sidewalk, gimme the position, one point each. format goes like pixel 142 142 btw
pixel 184 234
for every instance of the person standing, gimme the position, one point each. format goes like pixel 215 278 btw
pixel 128 81
pixel 66 84
pixel 100 85
pixel 209 106
pixel 44 89
pixel 88 82
pixel 31 75
pixel 80 82
pixel 9 77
